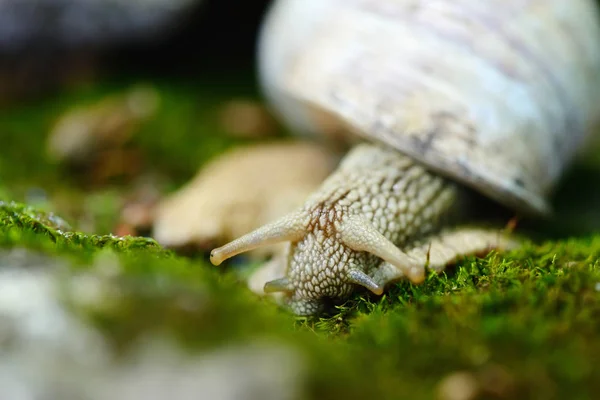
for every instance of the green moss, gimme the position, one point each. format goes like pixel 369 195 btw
pixel 153 291
pixel 533 313
pixel 524 324
pixel 184 134
pixel 24 226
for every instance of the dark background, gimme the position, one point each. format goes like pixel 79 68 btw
pixel 218 36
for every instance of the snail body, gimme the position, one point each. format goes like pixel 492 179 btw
pixel 447 98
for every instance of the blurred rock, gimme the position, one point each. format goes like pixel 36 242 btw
pixel 137 213
pixel 458 386
pixel 82 132
pixel 491 382
pixel 76 23
pixel 37 334
pixel 252 371
pixel 247 119
pixel 497 382
pixel 95 139
pixel 239 191
pixel 50 353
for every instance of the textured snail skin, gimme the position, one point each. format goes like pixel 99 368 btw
pixel 387 190
pixel 377 197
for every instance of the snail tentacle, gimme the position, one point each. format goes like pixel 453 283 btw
pixel 359 234
pixel 287 229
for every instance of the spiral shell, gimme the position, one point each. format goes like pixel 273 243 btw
pixel 500 94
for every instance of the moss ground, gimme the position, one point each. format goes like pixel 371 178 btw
pixel 524 324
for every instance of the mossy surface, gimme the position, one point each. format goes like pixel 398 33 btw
pixel 524 324
pixel 22 225
pixel 184 133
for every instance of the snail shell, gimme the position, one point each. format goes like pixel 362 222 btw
pixel 500 95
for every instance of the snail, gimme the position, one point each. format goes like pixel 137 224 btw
pixel 447 100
